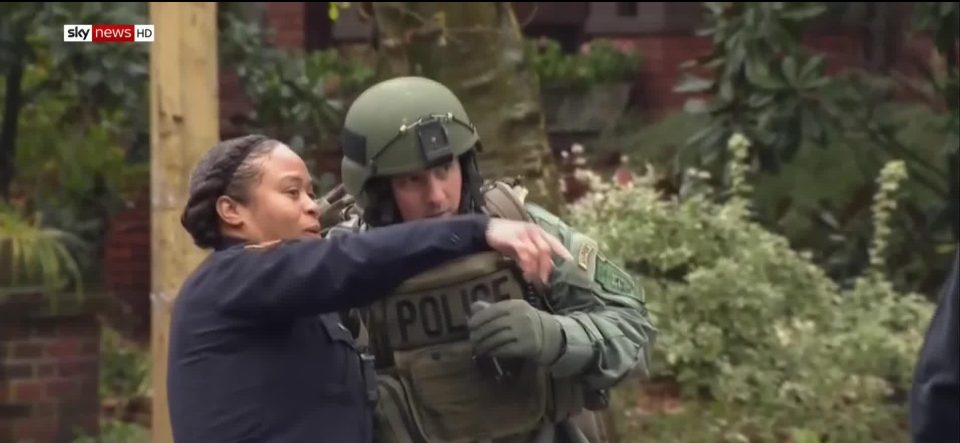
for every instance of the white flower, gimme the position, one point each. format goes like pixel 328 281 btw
pixel 738 141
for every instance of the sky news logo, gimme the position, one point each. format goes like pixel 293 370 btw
pixel 108 33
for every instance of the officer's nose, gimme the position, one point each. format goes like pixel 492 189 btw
pixel 435 192
pixel 312 208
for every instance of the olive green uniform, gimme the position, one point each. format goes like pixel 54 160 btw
pixel 431 386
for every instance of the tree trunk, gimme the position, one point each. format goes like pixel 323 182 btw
pixel 12 104
pixel 477 50
pixel 184 124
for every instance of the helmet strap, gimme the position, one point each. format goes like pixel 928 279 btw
pixel 470 196
pixel 381 209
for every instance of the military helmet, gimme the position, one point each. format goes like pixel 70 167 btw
pixel 402 125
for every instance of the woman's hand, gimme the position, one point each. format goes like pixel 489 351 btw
pixel 528 244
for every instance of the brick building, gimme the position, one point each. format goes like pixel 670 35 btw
pixel 48 371
pixel 664 34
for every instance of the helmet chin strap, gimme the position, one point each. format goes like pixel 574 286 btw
pixel 470 198
pixel 380 209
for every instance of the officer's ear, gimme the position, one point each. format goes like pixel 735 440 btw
pixel 229 211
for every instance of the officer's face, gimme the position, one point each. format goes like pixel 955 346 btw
pixel 431 193
pixel 281 204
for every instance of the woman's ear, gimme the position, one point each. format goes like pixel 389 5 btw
pixel 229 211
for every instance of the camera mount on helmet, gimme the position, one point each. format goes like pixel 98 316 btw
pixel 432 137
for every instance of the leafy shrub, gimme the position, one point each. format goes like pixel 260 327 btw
pixel 763 344
pixel 300 98
pixel 762 82
pixel 124 369
pixel 82 117
pixel 75 174
pixel 601 63
pixel 31 254
pixel 820 201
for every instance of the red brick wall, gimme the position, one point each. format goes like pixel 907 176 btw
pixel 49 371
pixel 661 57
pixel 842 49
pixel 915 54
pixel 286 20
pixel 126 270
pixel 234 105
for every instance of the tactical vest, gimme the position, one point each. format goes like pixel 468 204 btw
pixel 420 338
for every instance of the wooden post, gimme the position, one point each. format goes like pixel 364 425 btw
pixel 184 123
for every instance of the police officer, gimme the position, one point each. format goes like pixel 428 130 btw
pixel 253 356
pixel 466 352
pixel 935 395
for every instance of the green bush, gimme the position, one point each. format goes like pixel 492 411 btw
pixel 124 391
pixel 81 119
pixel 35 255
pixel 124 369
pixel 820 201
pixel 298 97
pixel 602 63
pixel 762 82
pixel 74 175
pixel 763 344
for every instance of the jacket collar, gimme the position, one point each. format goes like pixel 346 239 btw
pixel 228 242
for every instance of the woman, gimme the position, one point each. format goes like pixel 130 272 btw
pixel 256 351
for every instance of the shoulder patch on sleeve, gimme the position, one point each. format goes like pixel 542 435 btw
pixel 584 251
pixel 614 279
pixel 586 256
